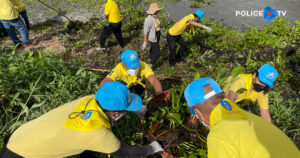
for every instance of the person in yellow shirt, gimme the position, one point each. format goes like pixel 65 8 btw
pixel 254 87
pixel 112 14
pixel 234 132
pixel 132 73
pixel 20 6
pixel 78 126
pixel 174 35
pixel 9 17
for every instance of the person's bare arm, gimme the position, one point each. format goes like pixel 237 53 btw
pixel 231 95
pixel 145 37
pixel 106 16
pixel 195 23
pixel 155 83
pixel 106 79
pixel 265 114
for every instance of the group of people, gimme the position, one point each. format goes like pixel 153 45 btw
pixel 84 124
pixel 152 31
pixel 13 15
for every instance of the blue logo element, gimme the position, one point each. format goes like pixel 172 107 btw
pixel 269 13
pixel 226 105
pixel 111 73
pixel 87 115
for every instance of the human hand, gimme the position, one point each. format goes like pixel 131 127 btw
pixel 207 28
pixel 156 147
pixel 144 46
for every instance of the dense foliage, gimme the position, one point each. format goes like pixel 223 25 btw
pixel 35 82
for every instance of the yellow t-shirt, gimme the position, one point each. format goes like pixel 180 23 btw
pixel 245 81
pixel 19 5
pixel 240 134
pixel 8 10
pixel 54 135
pixel 120 74
pixel 181 25
pixel 112 10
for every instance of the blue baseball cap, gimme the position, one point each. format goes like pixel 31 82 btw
pixel 267 74
pixel 194 93
pixel 115 96
pixel 199 13
pixel 130 58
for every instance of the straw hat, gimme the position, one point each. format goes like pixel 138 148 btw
pixel 153 8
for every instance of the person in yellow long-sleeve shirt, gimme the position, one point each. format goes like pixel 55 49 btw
pixel 174 35
pixel 81 125
pixel 234 132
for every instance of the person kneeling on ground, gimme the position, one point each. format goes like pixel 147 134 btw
pixel 174 35
pixel 77 126
pixel 256 85
pixel 234 132
pixel 132 72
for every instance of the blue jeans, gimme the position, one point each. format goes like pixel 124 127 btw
pixel 17 23
pixel 23 14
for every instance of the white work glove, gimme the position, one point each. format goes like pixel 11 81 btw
pixel 156 147
pixel 207 28
pixel 142 111
pixel 144 46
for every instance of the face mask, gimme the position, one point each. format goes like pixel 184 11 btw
pixel 258 87
pixel 202 120
pixel 132 72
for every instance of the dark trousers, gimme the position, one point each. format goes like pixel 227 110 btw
pixel 6 153
pixel 155 49
pixel 25 17
pixel 108 30
pixel 172 40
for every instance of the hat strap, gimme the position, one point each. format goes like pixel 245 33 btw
pixel 210 94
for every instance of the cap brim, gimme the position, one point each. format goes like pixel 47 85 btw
pixel 133 64
pixel 136 103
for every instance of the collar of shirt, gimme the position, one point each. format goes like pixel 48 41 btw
pixel 228 111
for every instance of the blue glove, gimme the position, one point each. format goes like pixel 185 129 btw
pixel 107 24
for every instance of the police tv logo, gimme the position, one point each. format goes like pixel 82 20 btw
pixel 268 13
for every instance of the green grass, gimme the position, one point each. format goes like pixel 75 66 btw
pixel 33 83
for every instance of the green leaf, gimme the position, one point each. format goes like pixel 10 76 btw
pixel 79 71
pixel 37 105
pixel 236 71
pixel 25 108
pixel 193 68
pixel 175 116
pixel 241 90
